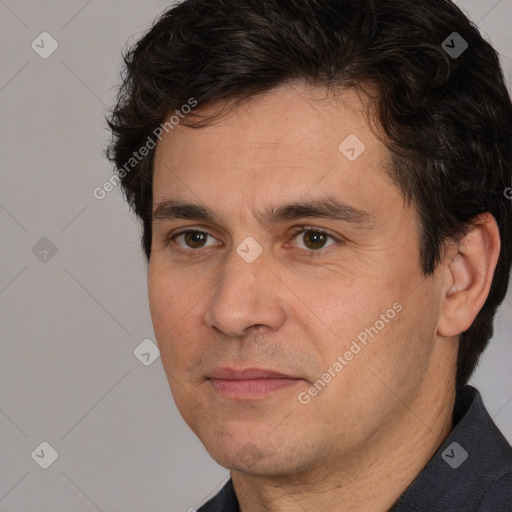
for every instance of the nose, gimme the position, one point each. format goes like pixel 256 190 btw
pixel 247 295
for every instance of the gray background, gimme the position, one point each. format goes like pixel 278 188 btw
pixel 69 324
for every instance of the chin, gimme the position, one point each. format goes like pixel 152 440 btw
pixel 257 456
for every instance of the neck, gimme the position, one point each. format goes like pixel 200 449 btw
pixel 369 481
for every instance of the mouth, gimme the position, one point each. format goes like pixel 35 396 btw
pixel 249 383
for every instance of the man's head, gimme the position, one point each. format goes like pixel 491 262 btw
pixel 338 190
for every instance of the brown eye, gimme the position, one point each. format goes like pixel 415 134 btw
pixel 311 239
pixel 194 239
pixel 314 239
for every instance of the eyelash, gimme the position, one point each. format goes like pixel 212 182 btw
pixel 296 231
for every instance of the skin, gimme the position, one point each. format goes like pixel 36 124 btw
pixel 368 433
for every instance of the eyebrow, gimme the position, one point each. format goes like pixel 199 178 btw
pixel 326 208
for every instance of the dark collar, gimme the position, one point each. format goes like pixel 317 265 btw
pixel 224 501
pixel 471 471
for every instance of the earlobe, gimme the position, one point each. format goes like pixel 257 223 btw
pixel 469 276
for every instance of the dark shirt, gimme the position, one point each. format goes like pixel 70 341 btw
pixel 471 471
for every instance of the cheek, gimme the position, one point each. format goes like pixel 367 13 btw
pixel 375 316
pixel 161 302
pixel 400 355
pixel 346 309
pixel 170 296
pixel 175 304
pixel 167 306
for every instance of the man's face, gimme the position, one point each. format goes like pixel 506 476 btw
pixel 319 284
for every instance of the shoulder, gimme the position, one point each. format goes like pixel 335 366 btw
pixel 498 495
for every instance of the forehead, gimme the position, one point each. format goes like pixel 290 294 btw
pixel 289 143
pixel 288 117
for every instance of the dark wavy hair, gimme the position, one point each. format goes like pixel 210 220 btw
pixel 447 121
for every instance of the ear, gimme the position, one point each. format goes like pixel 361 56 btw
pixel 470 267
